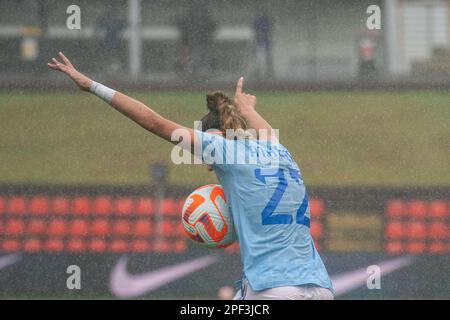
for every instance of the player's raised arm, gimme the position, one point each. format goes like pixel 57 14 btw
pixel 133 109
pixel 246 104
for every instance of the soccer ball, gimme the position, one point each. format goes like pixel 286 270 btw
pixel 207 219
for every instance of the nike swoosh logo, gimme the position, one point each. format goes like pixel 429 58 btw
pixel 8 260
pixel 349 281
pixel 125 285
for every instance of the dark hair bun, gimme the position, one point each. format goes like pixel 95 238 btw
pixel 215 100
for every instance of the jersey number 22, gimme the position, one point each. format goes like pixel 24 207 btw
pixel 267 215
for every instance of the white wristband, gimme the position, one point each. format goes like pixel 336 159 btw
pixel 102 91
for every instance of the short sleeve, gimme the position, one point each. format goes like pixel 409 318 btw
pixel 211 148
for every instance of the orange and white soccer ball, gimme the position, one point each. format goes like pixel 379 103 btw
pixel 207 219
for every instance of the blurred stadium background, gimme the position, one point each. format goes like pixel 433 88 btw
pixel 365 112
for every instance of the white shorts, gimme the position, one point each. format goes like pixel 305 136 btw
pixel 303 292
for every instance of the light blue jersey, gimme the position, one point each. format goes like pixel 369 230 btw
pixel 269 204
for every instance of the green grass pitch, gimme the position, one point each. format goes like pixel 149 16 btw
pixel 338 138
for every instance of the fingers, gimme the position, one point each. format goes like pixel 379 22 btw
pixel 56 65
pixel 240 85
pixel 52 66
pixel 60 66
pixel 65 59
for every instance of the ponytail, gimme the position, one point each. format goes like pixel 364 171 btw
pixel 222 114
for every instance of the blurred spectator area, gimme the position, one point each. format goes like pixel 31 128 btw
pixel 131 219
pixel 312 40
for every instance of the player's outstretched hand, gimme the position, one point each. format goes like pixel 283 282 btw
pixel 83 82
pixel 243 101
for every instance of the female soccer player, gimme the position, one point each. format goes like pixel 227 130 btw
pixel 266 196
